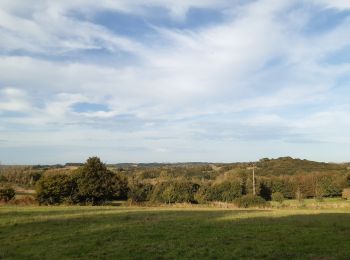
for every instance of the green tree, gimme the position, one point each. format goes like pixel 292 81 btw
pixel 96 184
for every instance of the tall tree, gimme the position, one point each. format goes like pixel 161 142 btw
pixel 97 184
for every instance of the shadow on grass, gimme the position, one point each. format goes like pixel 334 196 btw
pixel 172 234
pixel 46 215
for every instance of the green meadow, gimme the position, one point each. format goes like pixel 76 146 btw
pixel 112 232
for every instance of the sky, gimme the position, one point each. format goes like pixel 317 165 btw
pixel 174 81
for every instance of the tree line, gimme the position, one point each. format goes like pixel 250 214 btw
pixel 94 183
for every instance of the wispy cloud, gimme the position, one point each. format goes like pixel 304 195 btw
pixel 268 75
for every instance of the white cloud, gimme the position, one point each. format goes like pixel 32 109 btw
pixel 12 99
pixel 193 87
pixel 338 4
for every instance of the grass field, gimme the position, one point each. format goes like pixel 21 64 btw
pixel 168 233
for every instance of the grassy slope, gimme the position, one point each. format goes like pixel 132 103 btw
pixel 118 232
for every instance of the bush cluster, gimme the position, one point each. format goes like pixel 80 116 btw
pixel 188 192
pixel 226 191
pixel 92 184
pixel 56 189
pixel 7 193
pixel 177 191
pixel 315 185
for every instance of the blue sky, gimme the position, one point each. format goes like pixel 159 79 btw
pixel 169 81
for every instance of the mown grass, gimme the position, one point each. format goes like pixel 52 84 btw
pixel 173 233
pixel 325 203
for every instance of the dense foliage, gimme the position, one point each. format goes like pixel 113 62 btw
pixel 140 192
pixel 56 189
pixel 7 193
pixel 171 192
pixel 92 184
pixel 226 191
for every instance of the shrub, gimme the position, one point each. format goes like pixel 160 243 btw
pixel 7 193
pixel 139 192
pixel 180 192
pixel 346 194
pixel 157 192
pixel 171 192
pixel 250 200
pixel 228 191
pixel 204 194
pixel 56 188
pixel 277 196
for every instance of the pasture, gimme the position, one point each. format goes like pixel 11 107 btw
pixel 65 232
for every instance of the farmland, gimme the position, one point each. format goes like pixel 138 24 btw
pixel 169 232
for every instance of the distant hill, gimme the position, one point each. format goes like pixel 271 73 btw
pixel 291 166
pixel 151 165
pixel 265 166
